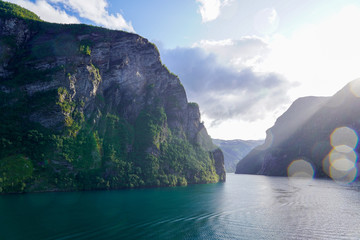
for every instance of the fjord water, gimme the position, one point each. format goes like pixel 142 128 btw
pixel 245 207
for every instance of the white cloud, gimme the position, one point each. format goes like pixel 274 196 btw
pixel 237 128
pixel 210 9
pixel 319 59
pixel 322 56
pixel 316 59
pixel 93 10
pixel 46 11
pixel 248 51
pixel 96 11
pixel 228 92
pixel 266 21
pixel 236 97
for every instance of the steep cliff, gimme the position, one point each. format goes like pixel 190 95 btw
pixel 285 126
pixel 90 108
pixel 320 131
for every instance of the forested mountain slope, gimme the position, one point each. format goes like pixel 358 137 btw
pixel 89 108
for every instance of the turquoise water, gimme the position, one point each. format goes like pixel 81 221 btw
pixel 245 207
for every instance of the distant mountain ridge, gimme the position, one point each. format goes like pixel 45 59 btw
pixel 305 132
pixel 235 150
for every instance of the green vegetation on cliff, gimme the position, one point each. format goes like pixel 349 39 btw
pixel 68 124
pixel 114 154
pixel 12 10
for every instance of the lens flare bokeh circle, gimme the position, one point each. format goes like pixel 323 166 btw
pixel 341 162
pixel 300 169
pixel 344 138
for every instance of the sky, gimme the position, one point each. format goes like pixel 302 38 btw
pixel 243 61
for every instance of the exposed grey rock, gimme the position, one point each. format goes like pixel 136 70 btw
pixel 123 74
pixel 219 164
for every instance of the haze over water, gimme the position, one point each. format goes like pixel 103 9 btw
pixel 245 207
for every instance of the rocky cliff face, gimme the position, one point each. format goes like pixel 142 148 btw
pixel 312 130
pixel 66 88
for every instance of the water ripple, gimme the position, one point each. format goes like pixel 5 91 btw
pixel 245 207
